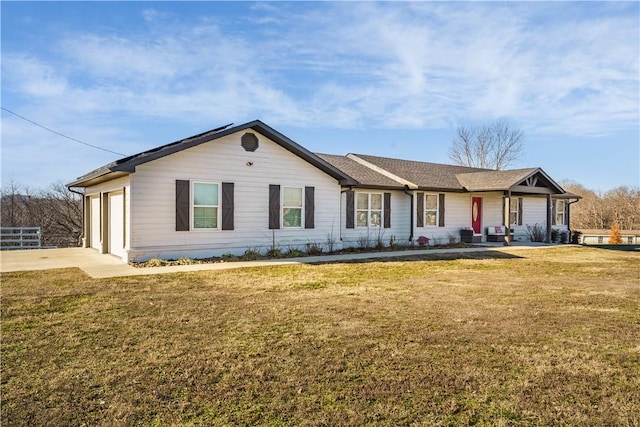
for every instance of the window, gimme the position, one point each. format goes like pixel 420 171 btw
pixel 560 209
pixel 205 205
pixel 431 210
pixel 368 209
pixel 292 207
pixel 514 211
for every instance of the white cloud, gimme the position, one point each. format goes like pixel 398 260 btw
pixel 356 64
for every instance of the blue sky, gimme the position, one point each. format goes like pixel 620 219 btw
pixel 392 79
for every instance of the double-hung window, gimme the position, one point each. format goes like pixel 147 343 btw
pixel 368 209
pixel 292 207
pixel 560 211
pixel 513 211
pixel 206 202
pixel 431 210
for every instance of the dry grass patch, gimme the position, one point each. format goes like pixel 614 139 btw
pixel 539 337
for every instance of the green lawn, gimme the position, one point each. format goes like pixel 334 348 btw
pixel 538 337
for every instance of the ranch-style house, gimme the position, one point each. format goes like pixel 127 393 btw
pixel 250 187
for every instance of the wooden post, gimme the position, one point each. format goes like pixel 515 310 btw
pixel 549 218
pixel 506 208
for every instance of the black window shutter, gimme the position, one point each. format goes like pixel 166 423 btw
pixel 419 209
pixel 182 205
pixel 519 210
pixel 227 206
pixel 350 209
pixel 309 207
pixel 387 210
pixel 274 207
pixel 553 212
pixel 440 210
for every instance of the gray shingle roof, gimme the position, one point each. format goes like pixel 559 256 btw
pixel 494 180
pixel 425 175
pixel 360 173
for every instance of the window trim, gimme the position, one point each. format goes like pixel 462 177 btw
pixel 437 210
pixel 192 207
pixel 283 207
pixel 368 210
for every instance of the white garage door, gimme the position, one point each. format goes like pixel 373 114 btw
pixel 116 223
pixel 95 222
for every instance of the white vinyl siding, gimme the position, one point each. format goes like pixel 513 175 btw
pixel 224 160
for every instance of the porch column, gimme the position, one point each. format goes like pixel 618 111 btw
pixel 549 219
pixel 506 211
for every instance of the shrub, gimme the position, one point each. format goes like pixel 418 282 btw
pixel 575 237
pixel 293 252
pixel 156 262
pixel 229 257
pixel 331 241
pixel 536 233
pixel 313 248
pixel 251 254
pixel 615 238
pixel 185 261
pixel 564 236
pixel 364 241
pixel 274 253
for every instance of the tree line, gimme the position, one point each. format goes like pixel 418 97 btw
pixel 56 210
pixel 595 211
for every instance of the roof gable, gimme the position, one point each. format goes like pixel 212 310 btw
pixel 128 164
pixel 530 180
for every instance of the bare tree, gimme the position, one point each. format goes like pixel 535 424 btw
pixel 620 205
pixel 57 211
pixel 491 146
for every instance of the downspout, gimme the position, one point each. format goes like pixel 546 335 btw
pixel 82 196
pixel 406 191
pixel 569 218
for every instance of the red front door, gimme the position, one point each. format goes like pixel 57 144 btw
pixel 476 214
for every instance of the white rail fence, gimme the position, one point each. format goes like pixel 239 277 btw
pixel 20 238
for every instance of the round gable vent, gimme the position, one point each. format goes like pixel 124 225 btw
pixel 249 142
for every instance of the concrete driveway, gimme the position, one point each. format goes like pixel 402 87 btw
pixel 102 266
